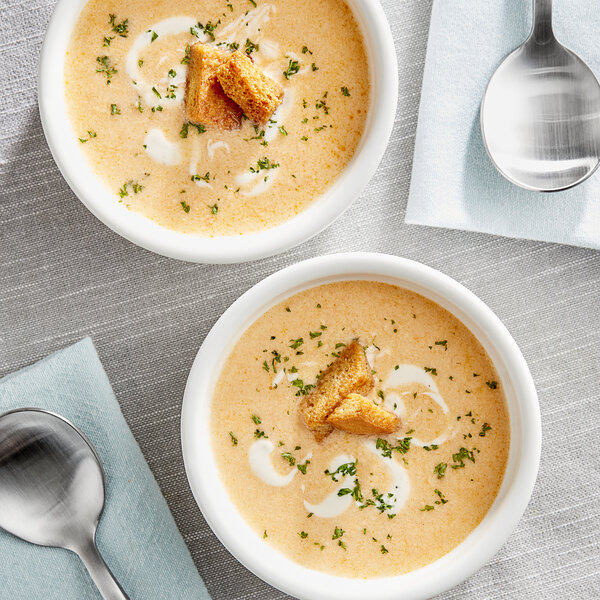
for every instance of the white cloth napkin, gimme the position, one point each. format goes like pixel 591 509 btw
pixel 454 183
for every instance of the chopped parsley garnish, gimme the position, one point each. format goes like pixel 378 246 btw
pixel 234 441
pixel 156 92
pixel 293 68
pixel 314 67
pixel 119 28
pixel 343 470
pixel 460 457
pixel 185 206
pixel 256 419
pixel 355 491
pixel 430 370
pixel 104 66
pixel 303 535
pixel 154 35
pixel 290 459
pixel 250 47
pixel 264 164
pixel 214 209
pixel 432 447
pixel 205 177
pixel 443 343
pixel 207 29
pixel 172 73
pixel 302 468
pixel 493 385
pixel 440 495
pixel 136 188
pixel 484 429
pixel 338 532
pixel 186 58
pixel 384 550
pixel 170 93
pixel 427 507
pixel 282 130
pixel 305 50
pixel 322 103
pixel 296 343
pixel 345 91
pixel 91 134
pixel 260 434
pixel 303 389
pixel 386 448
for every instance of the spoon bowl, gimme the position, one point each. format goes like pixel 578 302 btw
pixel 52 488
pixel 540 115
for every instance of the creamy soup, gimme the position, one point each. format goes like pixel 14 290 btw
pixel 361 506
pixel 125 76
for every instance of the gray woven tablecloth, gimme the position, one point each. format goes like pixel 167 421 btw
pixel 64 275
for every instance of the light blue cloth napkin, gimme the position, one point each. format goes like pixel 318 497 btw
pixel 454 184
pixel 137 535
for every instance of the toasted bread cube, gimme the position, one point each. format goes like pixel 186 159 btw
pixel 256 94
pixel 349 373
pixel 205 101
pixel 359 415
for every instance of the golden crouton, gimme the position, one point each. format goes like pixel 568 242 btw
pixel 347 374
pixel 256 94
pixel 357 414
pixel 205 101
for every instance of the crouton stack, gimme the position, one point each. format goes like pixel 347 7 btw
pixel 338 399
pixel 224 86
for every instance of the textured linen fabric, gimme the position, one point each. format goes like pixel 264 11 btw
pixel 63 275
pixel 136 535
pixel 454 183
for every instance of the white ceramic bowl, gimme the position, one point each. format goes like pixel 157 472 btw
pixel 101 201
pixel 266 562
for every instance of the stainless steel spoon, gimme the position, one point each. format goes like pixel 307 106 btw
pixel 540 115
pixel 52 488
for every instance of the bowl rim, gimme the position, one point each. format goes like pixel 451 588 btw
pixel 265 561
pixel 230 249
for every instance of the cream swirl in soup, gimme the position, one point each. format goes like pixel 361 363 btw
pixel 125 80
pixel 361 505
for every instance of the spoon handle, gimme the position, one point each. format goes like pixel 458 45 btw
pixel 105 581
pixel 542 21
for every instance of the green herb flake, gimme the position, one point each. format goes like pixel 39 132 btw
pixel 105 67
pixel 293 68
pixel 289 458
pixel 234 441
pixel 440 470
pixel 440 495
pixel 345 91
pixel 250 47
pixel 121 28
pixel 185 206
pixel 484 429
pixel 402 447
